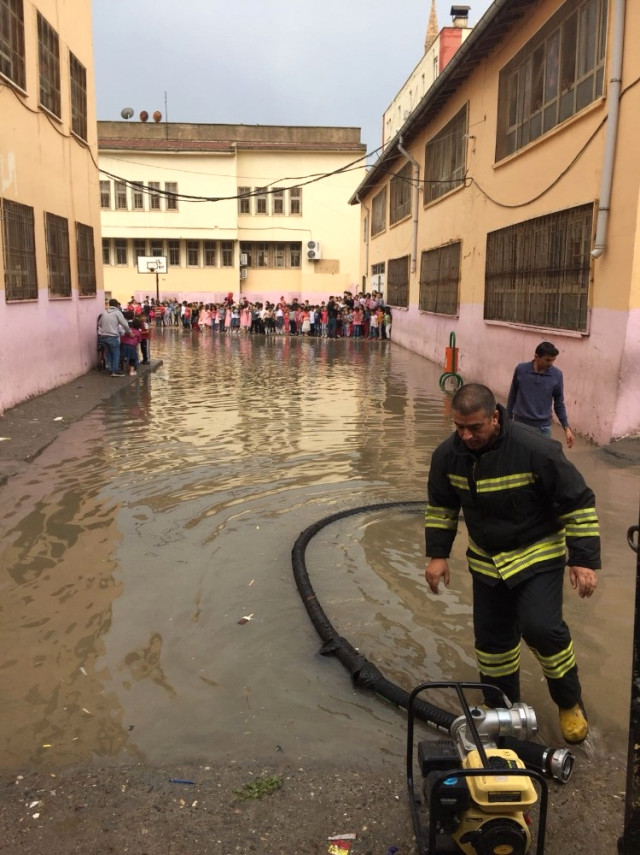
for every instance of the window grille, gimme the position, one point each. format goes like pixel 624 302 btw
pixel 209 247
pixel 157 248
pixel 379 212
pixel 49 67
pixel 58 261
pixel 227 253
pixel 174 252
pixel 538 271
pixel 445 158
pixel 106 251
pixel 18 251
pixel 555 75
pixel 439 279
pixel 171 189
pixel 400 188
pixel 262 201
pixel 398 282
pixel 139 248
pixel 78 75
pixel 193 253
pixel 121 195
pixel 244 200
pixel 137 195
pixel 295 200
pixel 278 201
pixel 12 60
pixel 105 194
pixel 154 196
pixel 120 248
pixel 86 260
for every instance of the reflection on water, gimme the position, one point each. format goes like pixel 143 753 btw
pixel 136 543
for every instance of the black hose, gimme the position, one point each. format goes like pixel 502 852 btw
pixel 364 674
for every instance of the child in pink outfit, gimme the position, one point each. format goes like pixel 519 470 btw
pixel 129 347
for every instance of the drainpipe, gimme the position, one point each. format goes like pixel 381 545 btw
pixel 615 84
pixel 366 239
pixel 414 205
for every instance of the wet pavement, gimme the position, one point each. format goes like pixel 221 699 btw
pixel 139 540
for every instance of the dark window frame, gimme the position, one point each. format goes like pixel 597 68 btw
pixel 244 200
pixel 78 83
pixel 58 253
pixel 86 261
pixel 18 251
pixel 446 158
pixel 50 93
pixel 400 194
pixel 171 195
pixel 440 279
pixel 379 212
pixel 398 281
pixel 12 51
pixel 538 272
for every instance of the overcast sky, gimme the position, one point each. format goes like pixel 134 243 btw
pixel 265 62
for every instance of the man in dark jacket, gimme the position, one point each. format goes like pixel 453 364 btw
pixel 525 506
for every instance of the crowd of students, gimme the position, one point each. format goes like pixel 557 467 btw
pixel 359 316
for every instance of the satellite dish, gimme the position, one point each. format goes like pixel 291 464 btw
pixel 144 116
pixel 157 116
pixel 126 113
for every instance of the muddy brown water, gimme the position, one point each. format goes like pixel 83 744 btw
pixel 134 546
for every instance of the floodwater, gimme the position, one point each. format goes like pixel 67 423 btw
pixel 135 545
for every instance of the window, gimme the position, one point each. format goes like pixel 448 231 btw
pixel 262 255
pixel 262 201
pixel 209 247
pixel 106 251
pixel 379 212
pixel 49 67
pixel 246 249
pixel 137 195
pixel 171 189
pixel 555 75
pixel 445 158
pixel 174 252
pixel 19 251
pixel 227 253
pixel 193 253
pixel 279 254
pixel 86 261
pixel 400 195
pixel 120 245
pixel 121 195
pixel 58 262
pixel 244 200
pixel 105 194
pixel 139 248
pixel 278 201
pixel 295 200
pixel 154 196
pixel 398 281
pixel 272 255
pixel 537 272
pixel 12 41
pixel 439 278
pixel 157 248
pixel 78 75
pixel 295 254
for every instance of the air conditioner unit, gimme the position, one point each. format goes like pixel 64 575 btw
pixel 313 250
pixel 244 259
pixel 244 273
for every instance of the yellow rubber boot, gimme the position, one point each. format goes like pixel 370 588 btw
pixel 574 725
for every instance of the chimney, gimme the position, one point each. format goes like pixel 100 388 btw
pixel 460 16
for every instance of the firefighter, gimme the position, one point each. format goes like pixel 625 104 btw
pixel 525 507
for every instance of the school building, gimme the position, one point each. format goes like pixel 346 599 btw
pixel 252 210
pixel 49 200
pixel 505 209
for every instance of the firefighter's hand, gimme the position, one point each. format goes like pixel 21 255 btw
pixel 437 568
pixel 584 579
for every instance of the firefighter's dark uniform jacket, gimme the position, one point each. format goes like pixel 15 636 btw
pixel 524 505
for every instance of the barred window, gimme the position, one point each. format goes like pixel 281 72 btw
pixel 295 254
pixel 400 194
pixel 538 271
pixel 18 251
pixel 139 248
pixel 121 195
pixel 58 261
pixel 106 251
pixel 262 200
pixel 379 212
pixel 398 281
pixel 555 75
pixel 78 75
pixel 439 279
pixel 49 67
pixel 174 252
pixel 171 189
pixel 295 200
pixel 227 253
pixel 244 200
pixel 86 261
pixel 157 248
pixel 209 247
pixel 105 194
pixel 272 255
pixel 120 246
pixel 445 158
pixel 12 62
